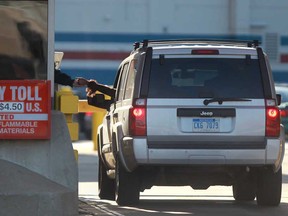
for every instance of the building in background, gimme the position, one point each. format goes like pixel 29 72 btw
pixel 96 35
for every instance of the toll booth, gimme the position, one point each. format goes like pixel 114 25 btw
pixel 37 160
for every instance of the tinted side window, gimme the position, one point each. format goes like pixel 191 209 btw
pixel 120 86
pixel 130 80
pixel 205 77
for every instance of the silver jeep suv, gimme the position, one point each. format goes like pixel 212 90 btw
pixel 192 112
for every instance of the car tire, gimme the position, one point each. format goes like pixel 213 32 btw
pixel 106 186
pixel 127 186
pixel 269 186
pixel 244 189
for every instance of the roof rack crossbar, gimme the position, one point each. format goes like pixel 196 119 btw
pixel 245 43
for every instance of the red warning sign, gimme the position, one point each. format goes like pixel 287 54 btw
pixel 25 107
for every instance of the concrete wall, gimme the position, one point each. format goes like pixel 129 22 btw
pixel 39 171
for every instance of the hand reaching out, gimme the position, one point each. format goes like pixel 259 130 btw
pixel 91 88
pixel 80 81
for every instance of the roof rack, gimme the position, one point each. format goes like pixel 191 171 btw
pixel 243 43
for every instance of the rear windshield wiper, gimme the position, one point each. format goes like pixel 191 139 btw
pixel 221 100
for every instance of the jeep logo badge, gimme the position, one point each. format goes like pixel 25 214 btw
pixel 203 113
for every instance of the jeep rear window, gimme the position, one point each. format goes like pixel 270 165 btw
pixel 205 78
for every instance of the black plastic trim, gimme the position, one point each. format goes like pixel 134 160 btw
pixel 264 73
pixel 202 112
pixel 205 145
pixel 146 73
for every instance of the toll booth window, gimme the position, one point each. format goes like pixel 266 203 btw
pixel 23 39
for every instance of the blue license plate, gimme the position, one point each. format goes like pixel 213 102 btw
pixel 206 125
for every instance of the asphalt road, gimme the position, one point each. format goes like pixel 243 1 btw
pixel 216 201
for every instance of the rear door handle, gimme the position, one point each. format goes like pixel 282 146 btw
pixel 115 115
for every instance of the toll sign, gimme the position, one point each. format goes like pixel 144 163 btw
pixel 25 107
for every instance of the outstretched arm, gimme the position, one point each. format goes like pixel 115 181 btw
pixel 64 79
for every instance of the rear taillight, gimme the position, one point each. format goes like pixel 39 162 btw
pixel 284 113
pixel 137 118
pixel 272 119
pixel 88 114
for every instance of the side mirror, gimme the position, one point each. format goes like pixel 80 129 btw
pixel 278 97
pixel 98 100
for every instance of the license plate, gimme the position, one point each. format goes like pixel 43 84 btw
pixel 206 125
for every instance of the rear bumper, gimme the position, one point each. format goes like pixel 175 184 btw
pixel 138 153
